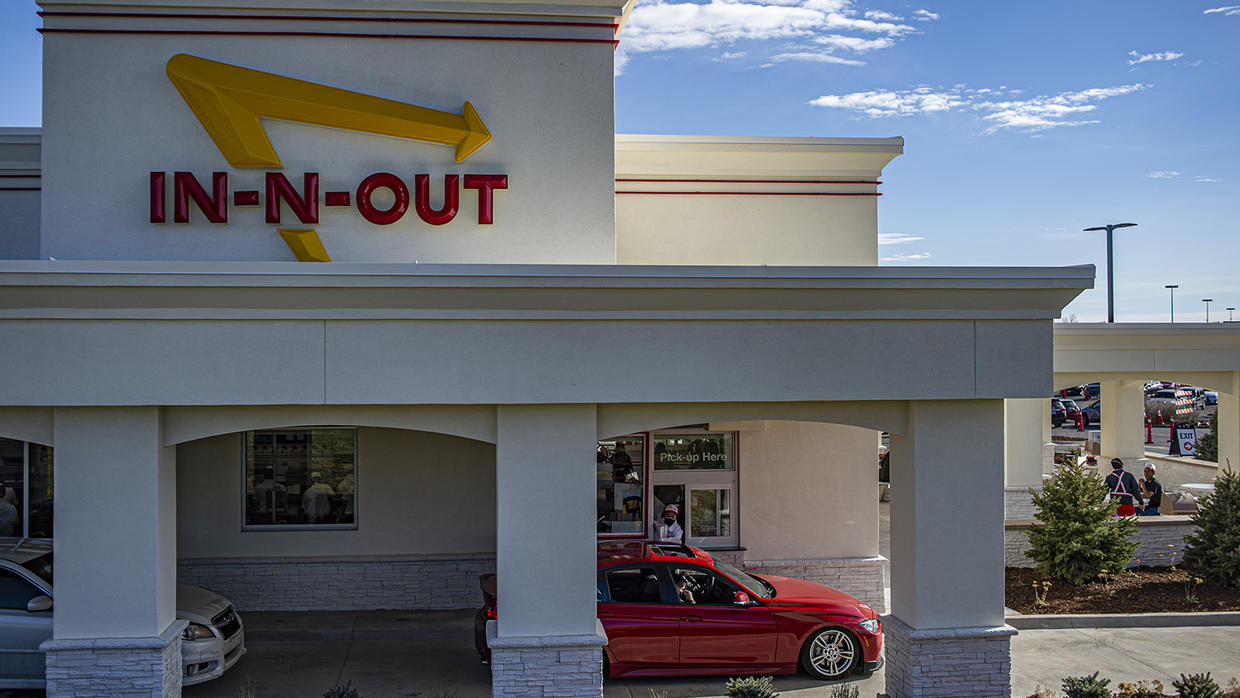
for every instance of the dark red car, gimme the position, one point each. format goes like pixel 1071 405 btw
pixel 673 610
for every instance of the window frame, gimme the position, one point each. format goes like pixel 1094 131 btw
pixel 703 479
pixel 661 572
pixel 258 528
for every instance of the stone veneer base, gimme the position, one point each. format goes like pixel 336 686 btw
pixel 344 583
pixel 947 662
pixel 860 576
pixel 1017 503
pixel 102 667
pixel 545 666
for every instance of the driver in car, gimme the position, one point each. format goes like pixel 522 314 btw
pixel 683 590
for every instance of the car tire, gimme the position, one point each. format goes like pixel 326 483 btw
pixel 831 653
pixel 606 666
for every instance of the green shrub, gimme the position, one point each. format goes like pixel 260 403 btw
pixel 1212 551
pixel 1086 686
pixel 751 687
pixel 1207 444
pixel 1080 537
pixel 343 691
pixel 1197 686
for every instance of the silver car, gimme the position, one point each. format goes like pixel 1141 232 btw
pixel 212 642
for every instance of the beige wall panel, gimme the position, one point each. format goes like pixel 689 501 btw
pixel 27 424
pixel 137 362
pixel 807 490
pixel 417 493
pixel 1013 358
pixel 722 229
pixel 532 362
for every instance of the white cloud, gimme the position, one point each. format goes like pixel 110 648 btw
pixel 816 57
pixel 1228 11
pixel 925 15
pixel 897 238
pixel 910 257
pixel 1031 115
pixel 733 55
pixel 1147 57
pixel 835 25
pixel 1206 179
pixel 1163 174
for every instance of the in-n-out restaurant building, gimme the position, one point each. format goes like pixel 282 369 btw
pixel 533 333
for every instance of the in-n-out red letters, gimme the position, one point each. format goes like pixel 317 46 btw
pixel 281 197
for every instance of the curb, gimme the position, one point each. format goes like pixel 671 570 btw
pixel 1122 620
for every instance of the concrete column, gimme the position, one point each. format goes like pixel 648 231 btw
pixel 115 631
pixel 1022 453
pixel 1123 422
pixel 547 640
pixel 1229 422
pixel 946 635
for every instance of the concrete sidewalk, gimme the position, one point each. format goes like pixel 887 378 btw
pixel 431 654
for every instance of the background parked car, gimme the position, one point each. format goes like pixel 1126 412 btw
pixel 1058 413
pixel 1092 413
pixel 1211 397
pixel 1071 411
pixel 212 642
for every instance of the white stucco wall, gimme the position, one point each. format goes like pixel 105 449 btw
pixel 417 493
pixel 720 200
pixel 807 490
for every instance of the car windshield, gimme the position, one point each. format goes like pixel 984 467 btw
pixel 1070 404
pixel 41 566
pixel 750 582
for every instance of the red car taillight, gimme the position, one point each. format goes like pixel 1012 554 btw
pixel 491 612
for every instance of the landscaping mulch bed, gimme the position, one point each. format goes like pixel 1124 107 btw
pixel 1139 590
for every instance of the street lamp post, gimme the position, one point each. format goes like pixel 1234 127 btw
pixel 1229 318
pixel 1110 266
pixel 1207 301
pixel 1172 287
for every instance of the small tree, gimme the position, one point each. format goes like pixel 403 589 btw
pixel 1207 445
pixel 1080 537
pixel 1213 550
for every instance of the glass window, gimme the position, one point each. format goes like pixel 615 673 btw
pixel 621 466
pixel 12 479
pixel 15 591
pixel 634 585
pixel 688 451
pixel 711 513
pixel 669 524
pixel 25 489
pixel 301 477
pixel 696 585
pixel 41 492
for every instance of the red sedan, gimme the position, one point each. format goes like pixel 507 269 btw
pixel 673 610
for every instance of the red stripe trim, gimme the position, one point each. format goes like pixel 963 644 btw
pixel 761 181
pixel 759 193
pixel 351 35
pixel 332 18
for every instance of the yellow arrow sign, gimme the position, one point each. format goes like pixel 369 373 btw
pixel 229 100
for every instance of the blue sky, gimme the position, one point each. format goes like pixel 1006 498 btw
pixel 1022 123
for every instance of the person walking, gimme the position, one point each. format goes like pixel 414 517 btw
pixel 1122 487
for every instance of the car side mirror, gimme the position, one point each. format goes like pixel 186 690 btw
pixel 40 603
pixel 742 599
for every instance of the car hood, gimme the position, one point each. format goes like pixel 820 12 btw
pixel 199 605
pixel 801 592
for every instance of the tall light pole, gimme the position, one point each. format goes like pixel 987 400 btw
pixel 1229 318
pixel 1110 266
pixel 1207 301
pixel 1173 287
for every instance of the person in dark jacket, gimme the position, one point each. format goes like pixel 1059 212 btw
pixel 1153 491
pixel 1123 488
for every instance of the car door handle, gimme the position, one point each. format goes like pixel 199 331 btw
pixel 691 619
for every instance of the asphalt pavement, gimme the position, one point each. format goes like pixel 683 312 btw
pixel 431 654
